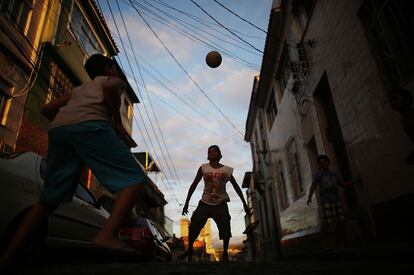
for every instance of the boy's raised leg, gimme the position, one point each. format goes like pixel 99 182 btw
pixel 108 236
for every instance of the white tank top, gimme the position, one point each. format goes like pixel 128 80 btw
pixel 215 180
pixel 86 103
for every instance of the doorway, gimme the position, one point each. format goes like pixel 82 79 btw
pixel 331 133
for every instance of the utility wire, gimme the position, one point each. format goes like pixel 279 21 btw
pixel 169 88
pixel 213 45
pixel 238 16
pixel 230 31
pixel 186 24
pixel 152 108
pixel 145 109
pixel 179 64
pixel 206 23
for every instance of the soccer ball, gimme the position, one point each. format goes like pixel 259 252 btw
pixel 213 59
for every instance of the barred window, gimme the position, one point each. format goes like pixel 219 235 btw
pixel 5 101
pixel 18 11
pixel 303 9
pixel 285 70
pixel 271 109
pixel 59 83
pixel 389 26
pixel 83 32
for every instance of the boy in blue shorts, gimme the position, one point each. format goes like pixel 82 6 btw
pixel 86 130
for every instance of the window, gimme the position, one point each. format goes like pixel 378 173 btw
pixel 281 186
pixel 5 101
pixel 127 109
pixel 83 194
pixel 262 132
pixel 17 10
pixel 285 70
pixel 271 109
pixel 83 32
pixel 389 26
pixel 303 10
pixel 295 171
pixel 59 83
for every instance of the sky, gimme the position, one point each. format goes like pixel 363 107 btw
pixel 187 106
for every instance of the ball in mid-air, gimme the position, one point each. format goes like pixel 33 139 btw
pixel 213 59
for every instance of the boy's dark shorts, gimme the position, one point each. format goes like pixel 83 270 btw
pixel 93 144
pixel 219 213
pixel 332 212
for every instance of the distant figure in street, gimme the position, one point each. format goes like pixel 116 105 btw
pixel 401 101
pixel 332 211
pixel 213 203
pixel 86 129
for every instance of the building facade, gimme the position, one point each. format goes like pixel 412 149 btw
pixel 323 87
pixel 23 25
pixel 44 45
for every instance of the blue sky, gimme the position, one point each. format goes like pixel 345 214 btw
pixel 176 122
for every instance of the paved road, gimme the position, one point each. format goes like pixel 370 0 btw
pixel 282 267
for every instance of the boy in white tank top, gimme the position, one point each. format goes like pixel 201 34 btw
pixel 213 203
pixel 81 132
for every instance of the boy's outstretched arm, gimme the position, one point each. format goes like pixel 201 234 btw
pixel 52 108
pixel 240 193
pixel 311 191
pixel 191 190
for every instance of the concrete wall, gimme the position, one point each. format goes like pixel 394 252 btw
pixel 371 130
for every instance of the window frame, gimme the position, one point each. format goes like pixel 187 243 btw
pixel 59 83
pixel 285 72
pixel 127 109
pixel 394 54
pixel 14 9
pixel 82 187
pixel 281 186
pixel 303 11
pixel 83 35
pixel 271 109
pixel 5 101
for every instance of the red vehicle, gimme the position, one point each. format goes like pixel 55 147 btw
pixel 148 238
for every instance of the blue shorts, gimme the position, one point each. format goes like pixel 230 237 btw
pixel 93 144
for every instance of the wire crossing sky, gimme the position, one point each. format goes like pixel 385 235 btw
pixel 187 106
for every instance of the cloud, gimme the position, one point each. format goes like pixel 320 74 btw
pixel 228 86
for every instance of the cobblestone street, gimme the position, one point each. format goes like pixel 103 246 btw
pixel 282 267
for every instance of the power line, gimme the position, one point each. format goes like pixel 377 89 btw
pixel 238 16
pixel 179 64
pixel 230 31
pixel 149 99
pixel 213 45
pixel 206 22
pixel 228 137
pixel 184 23
pixel 145 109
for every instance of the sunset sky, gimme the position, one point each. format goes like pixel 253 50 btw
pixel 188 119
